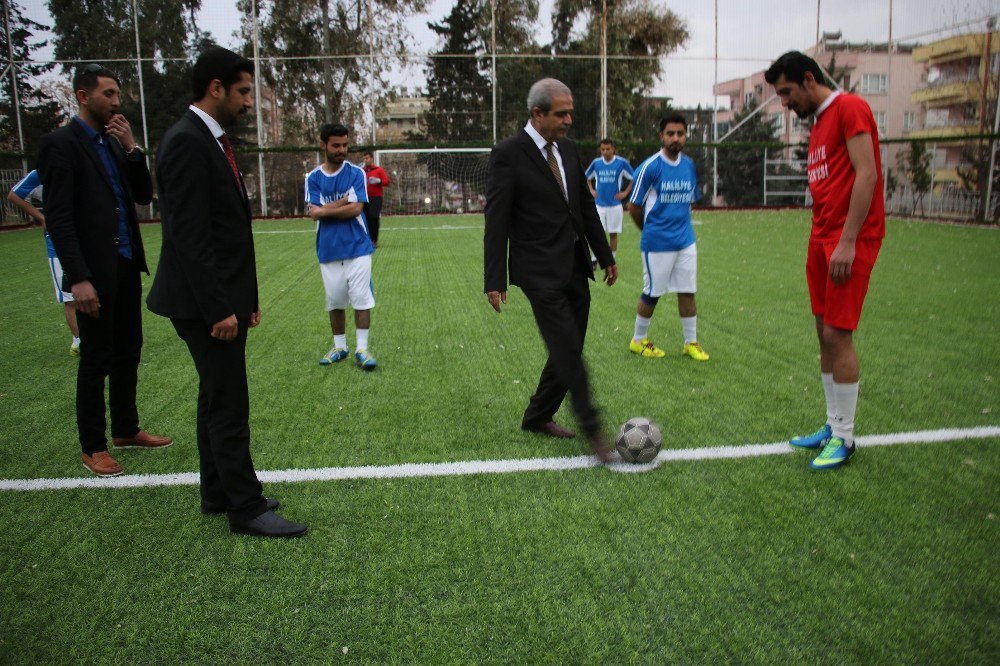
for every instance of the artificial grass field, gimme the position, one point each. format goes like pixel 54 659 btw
pixel 890 559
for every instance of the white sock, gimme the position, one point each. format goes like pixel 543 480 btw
pixel 641 328
pixel 690 326
pixel 615 254
pixel 831 404
pixel 593 258
pixel 76 341
pixel 846 397
pixel 362 338
pixel 340 341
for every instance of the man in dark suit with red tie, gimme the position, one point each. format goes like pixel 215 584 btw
pixel 206 283
pixel 540 220
pixel 94 174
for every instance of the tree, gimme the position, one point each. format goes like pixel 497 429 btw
pixel 339 85
pixel 741 167
pixel 917 164
pixel 458 89
pixel 39 113
pixel 104 30
pixel 638 28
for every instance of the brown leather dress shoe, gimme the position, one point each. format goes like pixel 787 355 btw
pixel 142 440
pixel 553 429
pixel 601 448
pixel 102 464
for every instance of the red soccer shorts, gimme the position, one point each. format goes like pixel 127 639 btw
pixel 840 304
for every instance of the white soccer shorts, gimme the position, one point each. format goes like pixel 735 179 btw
pixel 611 218
pixel 674 272
pixel 57 275
pixel 348 282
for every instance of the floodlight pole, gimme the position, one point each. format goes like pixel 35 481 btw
pixel 371 66
pixel 13 83
pixel 715 114
pixel 261 180
pixel 493 57
pixel 604 68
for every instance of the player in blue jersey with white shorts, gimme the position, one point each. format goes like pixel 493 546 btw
pixel 28 190
pixel 336 192
pixel 609 173
pixel 664 188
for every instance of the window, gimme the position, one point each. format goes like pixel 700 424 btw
pixel 778 123
pixel 880 121
pixel 748 99
pixel 909 120
pixel 874 83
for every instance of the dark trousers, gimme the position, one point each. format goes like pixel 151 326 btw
pixel 561 315
pixel 373 214
pixel 110 346
pixel 227 474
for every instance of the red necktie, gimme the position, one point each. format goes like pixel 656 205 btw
pixel 227 148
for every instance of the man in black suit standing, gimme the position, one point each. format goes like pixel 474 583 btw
pixel 94 174
pixel 540 219
pixel 206 283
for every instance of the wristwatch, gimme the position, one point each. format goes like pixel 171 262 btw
pixel 136 149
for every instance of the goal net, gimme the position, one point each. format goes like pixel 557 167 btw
pixel 434 180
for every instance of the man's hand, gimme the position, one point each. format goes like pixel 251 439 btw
pixel 496 298
pixel 85 299
pixel 621 195
pixel 226 329
pixel 119 128
pixel 840 261
pixel 611 274
pixel 255 318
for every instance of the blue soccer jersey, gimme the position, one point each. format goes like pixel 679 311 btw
pixel 29 188
pixel 665 191
pixel 338 239
pixel 610 179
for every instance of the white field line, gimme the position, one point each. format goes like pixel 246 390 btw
pixel 491 466
pixel 444 227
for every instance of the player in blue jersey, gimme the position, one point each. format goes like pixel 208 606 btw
pixel 665 186
pixel 336 192
pixel 28 190
pixel 609 173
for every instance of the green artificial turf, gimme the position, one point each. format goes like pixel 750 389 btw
pixel 755 560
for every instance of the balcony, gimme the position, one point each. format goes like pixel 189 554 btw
pixel 953 129
pixel 947 93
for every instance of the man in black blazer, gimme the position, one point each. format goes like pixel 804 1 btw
pixel 540 219
pixel 206 283
pixel 93 175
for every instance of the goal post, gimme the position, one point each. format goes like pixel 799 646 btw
pixel 434 180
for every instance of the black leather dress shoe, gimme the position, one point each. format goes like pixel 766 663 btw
pixel 269 524
pixel 213 509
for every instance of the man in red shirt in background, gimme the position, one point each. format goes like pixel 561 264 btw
pixel 377 178
pixel 848 224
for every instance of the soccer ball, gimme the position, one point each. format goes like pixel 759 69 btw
pixel 639 440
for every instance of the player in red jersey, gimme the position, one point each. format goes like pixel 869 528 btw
pixel 848 224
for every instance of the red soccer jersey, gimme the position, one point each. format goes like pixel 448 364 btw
pixel 831 175
pixel 375 189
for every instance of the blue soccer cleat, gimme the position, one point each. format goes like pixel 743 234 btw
pixel 364 360
pixel 834 454
pixel 335 355
pixel 813 441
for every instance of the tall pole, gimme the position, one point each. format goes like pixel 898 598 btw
pixel 888 91
pixel 142 87
pixel 604 68
pixel 715 114
pixel 261 179
pixel 13 84
pixel 493 55
pixel 817 23
pixel 324 6
pixel 371 67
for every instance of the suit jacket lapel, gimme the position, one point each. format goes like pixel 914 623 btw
pixel 535 155
pixel 88 147
pixel 219 157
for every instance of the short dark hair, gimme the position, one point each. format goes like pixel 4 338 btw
pixel 794 66
pixel 216 62
pixel 332 129
pixel 673 118
pixel 86 76
pixel 607 141
pixel 367 153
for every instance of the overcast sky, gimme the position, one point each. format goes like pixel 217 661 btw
pixel 751 32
